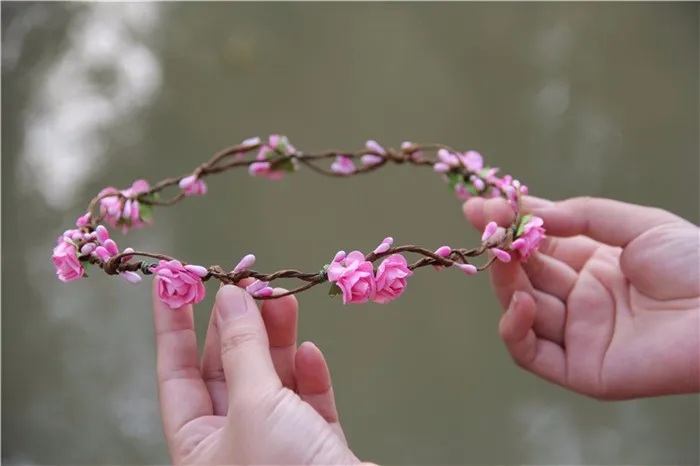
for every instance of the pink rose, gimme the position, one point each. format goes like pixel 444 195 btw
pixel 179 285
pixel 529 237
pixel 65 259
pixel 391 278
pixel 355 278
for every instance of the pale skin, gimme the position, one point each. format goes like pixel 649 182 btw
pixel 609 308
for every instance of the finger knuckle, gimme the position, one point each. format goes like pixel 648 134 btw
pixel 232 340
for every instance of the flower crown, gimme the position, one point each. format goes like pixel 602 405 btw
pixel 353 275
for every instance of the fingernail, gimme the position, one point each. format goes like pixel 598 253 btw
pixel 232 303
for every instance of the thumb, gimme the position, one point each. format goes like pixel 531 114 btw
pixel 611 222
pixel 245 355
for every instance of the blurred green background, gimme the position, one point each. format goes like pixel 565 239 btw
pixel 572 98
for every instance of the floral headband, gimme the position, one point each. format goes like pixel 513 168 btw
pixel 353 275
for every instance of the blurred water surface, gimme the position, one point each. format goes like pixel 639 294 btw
pixel 575 99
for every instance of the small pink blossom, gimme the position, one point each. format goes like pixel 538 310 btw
pixel 472 160
pixel 122 211
pixel 384 245
pixel 355 278
pixel 277 146
pixel 343 165
pixel 469 269
pixel 247 261
pixel 193 186
pixel 529 239
pixel 391 278
pixel 65 259
pixel 178 286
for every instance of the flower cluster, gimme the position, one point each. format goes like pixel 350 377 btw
pixel 353 275
pixel 123 208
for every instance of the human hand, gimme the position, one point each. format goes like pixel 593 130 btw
pixel 256 398
pixel 610 306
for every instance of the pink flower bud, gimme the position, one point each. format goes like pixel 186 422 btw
pixel 87 248
pixel 197 270
pixel 384 246
pixel 131 277
pixel 517 244
pixel 244 263
pixel 82 221
pixel 524 190
pixel 255 287
pixel 490 229
pixel 370 159
pixel 468 268
pixel 406 145
pixel 267 291
pixel 339 256
pixel 126 211
pixel 441 167
pixel 76 235
pixel 442 251
pixel 258 168
pixel 374 147
pixel 478 183
pixel 501 254
pixel 127 251
pixel 111 247
pixel 102 234
pixel 102 253
pixel 251 142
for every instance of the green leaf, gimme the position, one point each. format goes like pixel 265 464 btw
pixel 454 178
pixel 145 212
pixel 334 290
pixel 472 190
pixel 521 227
pixel 269 154
pixel 86 266
pixel 282 145
pixel 286 165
